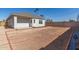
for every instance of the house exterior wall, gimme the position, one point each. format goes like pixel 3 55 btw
pixel 36 23
pixel 17 23
pixel 20 25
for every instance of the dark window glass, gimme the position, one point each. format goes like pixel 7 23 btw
pixel 23 20
pixel 34 20
pixel 40 22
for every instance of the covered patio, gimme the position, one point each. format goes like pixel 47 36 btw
pixel 23 22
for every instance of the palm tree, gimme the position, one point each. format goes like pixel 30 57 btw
pixel 78 18
pixel 36 10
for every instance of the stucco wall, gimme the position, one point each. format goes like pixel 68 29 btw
pixel 36 24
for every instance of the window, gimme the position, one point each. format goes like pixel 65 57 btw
pixel 23 20
pixel 34 20
pixel 40 22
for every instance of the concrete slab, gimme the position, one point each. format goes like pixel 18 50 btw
pixel 3 39
pixel 4 47
pixel 29 39
pixel 34 38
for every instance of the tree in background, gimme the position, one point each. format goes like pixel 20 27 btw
pixel 78 18
pixel 49 20
pixel 2 23
pixel 71 20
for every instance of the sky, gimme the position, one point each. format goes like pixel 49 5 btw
pixel 56 14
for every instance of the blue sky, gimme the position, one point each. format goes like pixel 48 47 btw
pixel 57 14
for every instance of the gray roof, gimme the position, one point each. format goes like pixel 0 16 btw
pixel 27 15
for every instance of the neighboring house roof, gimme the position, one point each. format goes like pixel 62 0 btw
pixel 29 15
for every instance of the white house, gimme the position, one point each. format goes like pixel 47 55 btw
pixel 24 20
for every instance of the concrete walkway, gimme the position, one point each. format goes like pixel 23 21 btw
pixel 3 40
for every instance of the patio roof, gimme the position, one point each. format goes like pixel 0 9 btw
pixel 29 15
